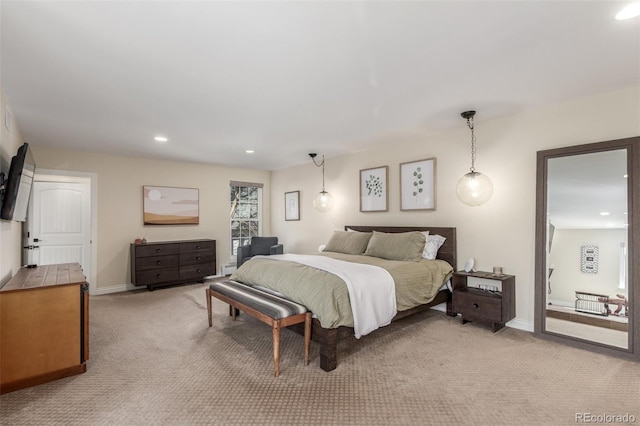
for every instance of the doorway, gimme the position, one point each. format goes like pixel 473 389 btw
pixel 60 226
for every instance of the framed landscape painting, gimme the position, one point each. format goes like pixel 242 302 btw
pixel 164 205
pixel 418 185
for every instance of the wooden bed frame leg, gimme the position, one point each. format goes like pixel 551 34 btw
pixel 450 311
pixel 329 350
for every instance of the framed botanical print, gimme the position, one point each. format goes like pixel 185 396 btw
pixel 418 185
pixel 292 205
pixel 374 189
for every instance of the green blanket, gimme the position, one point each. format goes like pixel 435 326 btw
pixel 327 296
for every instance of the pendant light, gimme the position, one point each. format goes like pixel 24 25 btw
pixel 474 188
pixel 323 201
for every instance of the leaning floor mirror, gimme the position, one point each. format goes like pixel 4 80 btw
pixel 587 245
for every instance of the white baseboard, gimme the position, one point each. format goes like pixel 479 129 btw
pixel 520 324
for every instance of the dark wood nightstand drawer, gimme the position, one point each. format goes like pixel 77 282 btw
pixel 474 304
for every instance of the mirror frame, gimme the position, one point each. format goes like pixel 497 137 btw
pixel 632 145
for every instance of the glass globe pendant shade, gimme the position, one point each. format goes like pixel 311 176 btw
pixel 474 189
pixel 323 201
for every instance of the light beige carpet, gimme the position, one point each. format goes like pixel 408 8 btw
pixel 154 361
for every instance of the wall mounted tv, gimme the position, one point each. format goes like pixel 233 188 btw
pixel 17 187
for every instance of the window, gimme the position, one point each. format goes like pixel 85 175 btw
pixel 246 213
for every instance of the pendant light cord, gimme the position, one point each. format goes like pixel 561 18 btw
pixel 313 157
pixel 473 145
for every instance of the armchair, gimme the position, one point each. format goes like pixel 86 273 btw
pixel 259 246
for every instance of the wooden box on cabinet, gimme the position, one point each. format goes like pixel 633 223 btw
pixel 172 262
pixel 475 304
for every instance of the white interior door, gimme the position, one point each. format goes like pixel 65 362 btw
pixel 60 224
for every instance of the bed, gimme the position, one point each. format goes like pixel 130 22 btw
pixel 331 321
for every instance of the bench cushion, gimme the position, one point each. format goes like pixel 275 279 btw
pixel 269 304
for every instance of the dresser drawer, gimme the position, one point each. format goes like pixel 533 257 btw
pixel 196 258
pixel 483 307
pixel 197 271
pixel 191 246
pixel 156 276
pixel 144 250
pixel 156 262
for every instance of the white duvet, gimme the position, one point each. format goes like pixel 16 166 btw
pixel 372 291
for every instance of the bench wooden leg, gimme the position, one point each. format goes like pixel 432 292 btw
pixel 276 348
pixel 209 307
pixel 307 337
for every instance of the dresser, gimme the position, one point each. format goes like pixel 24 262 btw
pixel 172 262
pixel 44 326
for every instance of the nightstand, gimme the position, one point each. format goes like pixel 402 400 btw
pixel 480 302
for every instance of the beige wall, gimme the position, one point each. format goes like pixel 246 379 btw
pixel 499 233
pixel 10 232
pixel 119 215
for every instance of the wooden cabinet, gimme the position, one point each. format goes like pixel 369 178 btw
pixel 44 326
pixel 172 262
pixel 493 303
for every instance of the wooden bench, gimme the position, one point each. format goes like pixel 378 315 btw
pixel 266 307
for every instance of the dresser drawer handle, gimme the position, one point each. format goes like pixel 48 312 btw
pixel 198 270
pixel 198 257
pixel 158 262
pixel 197 247
pixel 157 275
pixel 157 250
pixel 475 306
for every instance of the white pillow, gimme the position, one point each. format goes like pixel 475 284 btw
pixel 433 244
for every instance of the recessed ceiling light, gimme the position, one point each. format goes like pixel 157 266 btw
pixel 249 151
pixel 630 11
pixel 161 139
pixel 604 213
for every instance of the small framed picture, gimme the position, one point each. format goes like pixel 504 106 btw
pixel 589 259
pixel 418 185
pixel 292 205
pixel 374 189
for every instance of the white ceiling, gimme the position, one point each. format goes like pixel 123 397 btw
pixel 289 78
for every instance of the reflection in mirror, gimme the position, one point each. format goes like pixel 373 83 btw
pixel 587 282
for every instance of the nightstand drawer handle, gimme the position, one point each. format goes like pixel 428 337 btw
pixel 475 306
